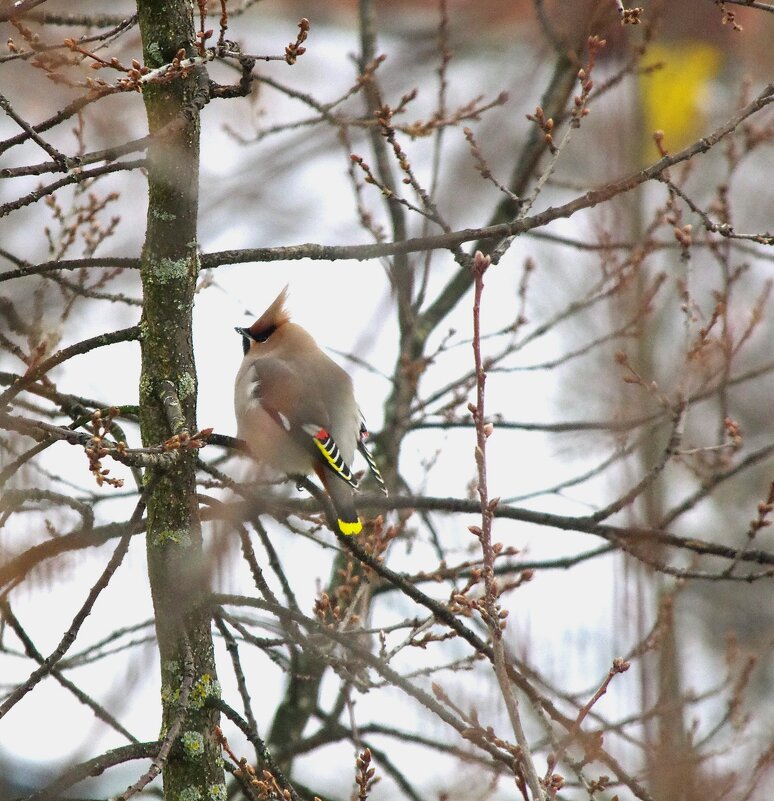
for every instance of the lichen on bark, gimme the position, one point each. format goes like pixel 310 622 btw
pixel 177 568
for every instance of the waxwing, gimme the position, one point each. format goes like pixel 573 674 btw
pixel 296 410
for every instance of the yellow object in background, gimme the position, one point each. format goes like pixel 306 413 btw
pixel 674 96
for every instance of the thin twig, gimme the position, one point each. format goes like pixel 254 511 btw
pixel 587 200
pixel 68 638
pixel 492 612
pixel 178 718
pixel 78 349
pixel 72 178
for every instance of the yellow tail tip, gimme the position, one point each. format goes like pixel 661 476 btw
pixel 350 529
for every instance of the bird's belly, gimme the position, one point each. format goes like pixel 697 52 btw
pixel 272 447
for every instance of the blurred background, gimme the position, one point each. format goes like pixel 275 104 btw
pixel 561 302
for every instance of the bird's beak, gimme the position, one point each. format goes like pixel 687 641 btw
pixel 247 340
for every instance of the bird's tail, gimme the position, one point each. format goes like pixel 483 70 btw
pixel 343 502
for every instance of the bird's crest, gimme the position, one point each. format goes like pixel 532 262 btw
pixel 275 316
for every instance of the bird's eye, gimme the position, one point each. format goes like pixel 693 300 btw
pixel 250 336
pixel 262 336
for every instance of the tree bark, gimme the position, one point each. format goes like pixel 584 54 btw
pixel 176 564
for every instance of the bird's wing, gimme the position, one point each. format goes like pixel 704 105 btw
pixel 294 405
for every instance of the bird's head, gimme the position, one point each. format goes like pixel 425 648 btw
pixel 266 326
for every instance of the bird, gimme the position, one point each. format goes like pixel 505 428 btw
pixel 296 410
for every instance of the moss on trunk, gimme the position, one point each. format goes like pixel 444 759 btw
pixel 177 567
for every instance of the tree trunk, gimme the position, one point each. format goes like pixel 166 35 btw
pixel 176 564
